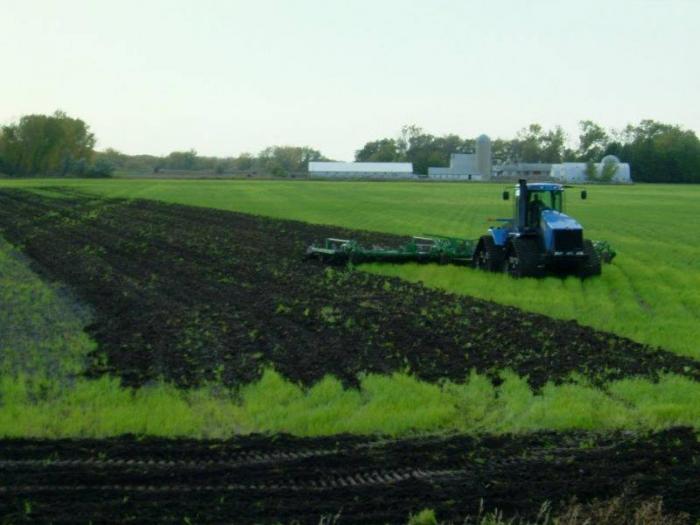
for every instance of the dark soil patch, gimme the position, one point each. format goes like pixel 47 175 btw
pixel 280 479
pixel 192 294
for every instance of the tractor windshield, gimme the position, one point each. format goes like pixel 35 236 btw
pixel 553 200
pixel 539 200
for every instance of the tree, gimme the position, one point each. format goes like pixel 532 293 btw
pixel 102 168
pixel 659 152
pixel 527 144
pixel 423 152
pixel 46 144
pixel 409 134
pixel 122 161
pixel 591 171
pixel 383 150
pixel 593 141
pixel 244 162
pixel 181 160
pixel 504 150
pixel 608 171
pixel 282 161
pixel 552 145
pixel 534 144
pixel 111 155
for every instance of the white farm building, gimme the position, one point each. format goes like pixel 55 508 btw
pixel 467 166
pixel 362 170
pixel 576 171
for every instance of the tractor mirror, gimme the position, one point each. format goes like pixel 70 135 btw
pixel 506 195
pixel 584 194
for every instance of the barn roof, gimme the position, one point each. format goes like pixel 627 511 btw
pixel 362 167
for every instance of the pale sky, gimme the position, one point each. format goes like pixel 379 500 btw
pixel 225 77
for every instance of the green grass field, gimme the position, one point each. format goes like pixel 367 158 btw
pixel 650 294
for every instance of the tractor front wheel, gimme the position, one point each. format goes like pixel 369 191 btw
pixel 488 255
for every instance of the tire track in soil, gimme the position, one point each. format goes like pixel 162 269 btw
pixel 279 479
pixel 196 294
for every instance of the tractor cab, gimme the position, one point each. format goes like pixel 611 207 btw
pixel 538 211
pixel 532 200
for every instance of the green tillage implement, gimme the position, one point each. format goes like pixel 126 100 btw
pixel 427 248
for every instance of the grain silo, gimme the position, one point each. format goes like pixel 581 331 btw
pixel 483 156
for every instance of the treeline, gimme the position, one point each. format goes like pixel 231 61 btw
pixel 58 145
pixel 656 152
pixel 532 144
pixel 53 145
pixel 278 161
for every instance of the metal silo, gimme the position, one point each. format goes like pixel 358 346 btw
pixel 483 156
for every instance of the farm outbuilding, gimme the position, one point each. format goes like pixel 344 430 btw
pixel 467 166
pixel 463 166
pixel 576 171
pixel 362 170
pixel 522 170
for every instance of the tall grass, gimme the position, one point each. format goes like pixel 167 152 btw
pixel 391 405
pixel 41 326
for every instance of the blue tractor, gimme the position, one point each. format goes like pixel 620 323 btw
pixel 539 238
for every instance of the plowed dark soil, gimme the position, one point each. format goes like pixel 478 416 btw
pixel 190 294
pixel 259 479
